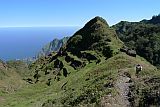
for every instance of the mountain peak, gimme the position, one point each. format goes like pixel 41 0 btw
pixel 155 20
pixel 97 22
pixel 95 35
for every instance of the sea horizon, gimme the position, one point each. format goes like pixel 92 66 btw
pixel 24 42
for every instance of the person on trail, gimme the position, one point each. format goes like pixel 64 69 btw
pixel 138 69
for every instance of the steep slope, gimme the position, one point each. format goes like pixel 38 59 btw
pixel 11 76
pixel 142 36
pixel 96 40
pixel 95 35
pixel 93 85
pixel 88 47
pixel 53 46
pixel 90 70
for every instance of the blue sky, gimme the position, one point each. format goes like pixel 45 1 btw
pixel 27 13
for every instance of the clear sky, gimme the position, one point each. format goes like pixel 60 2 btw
pixel 26 13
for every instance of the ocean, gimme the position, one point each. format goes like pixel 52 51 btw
pixel 24 42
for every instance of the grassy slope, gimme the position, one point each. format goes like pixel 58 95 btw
pixel 90 83
pixel 11 78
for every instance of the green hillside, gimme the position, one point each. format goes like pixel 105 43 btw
pixel 90 70
pixel 143 36
pixel 95 35
pixel 93 85
pixel 12 75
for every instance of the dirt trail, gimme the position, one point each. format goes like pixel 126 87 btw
pixel 122 85
pixel 2 99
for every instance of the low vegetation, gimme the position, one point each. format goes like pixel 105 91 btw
pixel 91 69
pixel 144 37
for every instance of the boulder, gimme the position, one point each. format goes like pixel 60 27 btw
pixel 53 58
pixel 65 72
pixel 76 64
pixel 89 56
pixel 48 82
pixel 128 51
pixel 58 64
pixel 61 65
pixel 68 59
pixel 131 52
pixel 123 49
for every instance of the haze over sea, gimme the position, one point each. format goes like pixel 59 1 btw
pixel 24 42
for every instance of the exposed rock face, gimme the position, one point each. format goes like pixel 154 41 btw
pixel 65 72
pixel 53 58
pixel 76 64
pixel 129 52
pixel 68 59
pixel 58 64
pixel 89 56
pixel 53 46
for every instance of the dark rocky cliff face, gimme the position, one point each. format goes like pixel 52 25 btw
pixel 53 46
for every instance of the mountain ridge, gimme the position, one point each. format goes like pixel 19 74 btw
pixel 53 46
pixel 142 36
pixel 89 70
pixel 95 35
